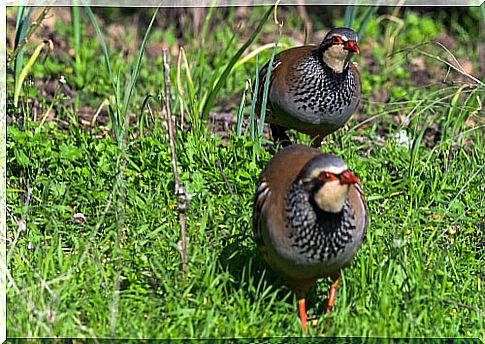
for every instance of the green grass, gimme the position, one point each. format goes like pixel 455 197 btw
pixel 116 270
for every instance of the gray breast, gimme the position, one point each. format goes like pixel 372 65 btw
pixel 318 96
pixel 320 239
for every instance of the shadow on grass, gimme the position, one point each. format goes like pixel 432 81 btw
pixel 248 268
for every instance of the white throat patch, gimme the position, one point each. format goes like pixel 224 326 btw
pixel 336 58
pixel 331 196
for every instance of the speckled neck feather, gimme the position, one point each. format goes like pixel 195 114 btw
pixel 318 88
pixel 316 234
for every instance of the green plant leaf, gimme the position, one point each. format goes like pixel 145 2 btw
pixel 232 62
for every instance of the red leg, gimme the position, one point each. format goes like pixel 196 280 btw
pixel 331 297
pixel 302 311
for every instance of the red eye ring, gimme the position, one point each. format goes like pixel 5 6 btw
pixel 327 177
pixel 337 40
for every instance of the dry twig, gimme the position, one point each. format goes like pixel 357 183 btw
pixel 462 305
pixel 229 188
pixel 180 193
pixel 458 68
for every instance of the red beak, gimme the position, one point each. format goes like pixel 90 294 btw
pixel 352 46
pixel 347 177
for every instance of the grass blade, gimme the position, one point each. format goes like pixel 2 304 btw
pixel 27 68
pixel 20 31
pixel 365 21
pixel 349 15
pixel 256 52
pixel 76 29
pixel 102 43
pixel 216 75
pixel 119 112
pixel 20 17
pixel 143 118
pixel 240 111
pixel 192 106
pixel 200 71
pixel 213 93
pixel 22 34
pixel 264 101
pixel 136 70
pixel 252 120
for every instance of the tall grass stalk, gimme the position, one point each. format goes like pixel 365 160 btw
pixel 252 117
pixel 119 112
pixel 216 75
pixel 21 27
pixel 23 73
pixel 76 29
pixel 201 57
pixel 255 52
pixel 23 30
pixel 369 12
pixel 20 31
pixel 143 119
pixel 264 101
pixel 119 118
pixel 240 111
pixel 190 83
pixel 350 17
pixel 215 90
pixel 102 44
pixel 452 120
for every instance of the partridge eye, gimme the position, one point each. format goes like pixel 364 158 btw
pixel 337 40
pixel 325 176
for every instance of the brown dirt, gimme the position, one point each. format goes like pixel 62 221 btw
pixel 424 71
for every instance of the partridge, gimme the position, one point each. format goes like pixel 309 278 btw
pixel 312 89
pixel 309 218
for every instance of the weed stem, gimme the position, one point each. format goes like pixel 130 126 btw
pixel 180 193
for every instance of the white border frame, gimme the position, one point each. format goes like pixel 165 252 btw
pixel 3 180
pixel 142 3
pixel 217 3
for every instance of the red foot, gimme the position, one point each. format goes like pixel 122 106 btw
pixel 331 297
pixel 302 311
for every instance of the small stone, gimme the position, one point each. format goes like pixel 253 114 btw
pixel 79 218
